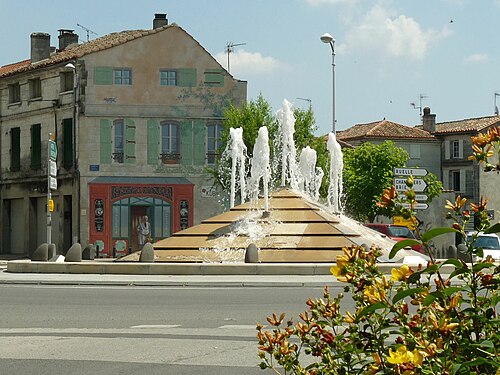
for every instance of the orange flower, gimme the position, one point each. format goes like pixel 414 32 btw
pixel 479 207
pixel 387 198
pixel 459 203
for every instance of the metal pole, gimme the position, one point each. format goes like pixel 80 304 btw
pixel 333 87
pixel 49 194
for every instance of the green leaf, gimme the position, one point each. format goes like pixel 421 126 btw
pixel 430 234
pixel 401 244
pixel 405 293
pixel 493 229
pixel 369 309
pixel 452 289
pixel 431 298
pixel 455 262
pixel 479 266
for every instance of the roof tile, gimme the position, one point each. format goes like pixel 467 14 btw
pixel 383 129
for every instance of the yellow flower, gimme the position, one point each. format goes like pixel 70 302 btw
pixel 400 356
pixel 400 274
pixel 375 293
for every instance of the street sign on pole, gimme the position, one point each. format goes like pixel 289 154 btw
pixel 419 185
pixel 417 172
pixel 51 205
pixel 53 183
pixel 417 206
pixel 52 168
pixel 52 150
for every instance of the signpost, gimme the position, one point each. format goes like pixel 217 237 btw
pixel 51 182
pixel 419 185
pixel 415 172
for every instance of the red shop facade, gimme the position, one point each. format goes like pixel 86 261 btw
pixel 117 205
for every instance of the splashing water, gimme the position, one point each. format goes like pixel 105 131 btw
pixel 307 166
pixel 260 167
pixel 238 157
pixel 289 168
pixel 336 166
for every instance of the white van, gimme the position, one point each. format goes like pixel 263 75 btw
pixel 489 242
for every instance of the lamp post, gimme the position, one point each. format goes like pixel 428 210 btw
pixel 75 128
pixel 327 38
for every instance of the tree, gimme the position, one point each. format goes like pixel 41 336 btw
pixel 368 170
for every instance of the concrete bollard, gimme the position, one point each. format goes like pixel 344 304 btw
pixel 252 254
pixel 147 253
pixel 74 253
pixel 88 252
pixel 41 254
pixel 52 250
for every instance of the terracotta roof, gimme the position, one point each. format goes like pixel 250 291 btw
pixel 383 129
pixel 468 125
pixel 79 50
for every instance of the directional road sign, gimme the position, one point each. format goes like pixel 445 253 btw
pixel 53 183
pixel 417 172
pixel 418 206
pixel 53 150
pixel 52 168
pixel 419 185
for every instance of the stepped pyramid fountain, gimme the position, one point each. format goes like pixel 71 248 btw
pixel 286 225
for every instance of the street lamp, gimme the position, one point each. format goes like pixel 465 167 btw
pixel 327 38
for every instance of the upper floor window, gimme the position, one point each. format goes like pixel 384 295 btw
pixel 66 81
pixel 170 141
pixel 414 151
pixel 36 147
pixel 15 93
pixel 168 78
pixel 15 149
pixel 455 149
pixel 214 142
pixel 122 76
pixel 35 87
pixel 118 140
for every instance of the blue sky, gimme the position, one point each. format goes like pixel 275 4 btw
pixel 388 52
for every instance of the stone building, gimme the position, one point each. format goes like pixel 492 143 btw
pixel 136 118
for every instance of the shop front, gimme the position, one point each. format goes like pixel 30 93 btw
pixel 120 207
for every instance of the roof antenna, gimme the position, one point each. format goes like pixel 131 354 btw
pixel 420 97
pixel 230 48
pixel 87 30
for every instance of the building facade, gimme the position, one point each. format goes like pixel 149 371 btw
pixel 136 117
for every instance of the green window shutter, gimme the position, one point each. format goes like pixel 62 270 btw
pixel 214 77
pixel 153 139
pixel 67 153
pixel 105 141
pixel 129 148
pixel 199 147
pixel 15 149
pixel 186 143
pixel 36 147
pixel 103 75
pixel 186 77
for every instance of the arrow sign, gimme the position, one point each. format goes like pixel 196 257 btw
pixel 419 185
pixel 53 183
pixel 52 150
pixel 418 206
pixel 420 172
pixel 52 168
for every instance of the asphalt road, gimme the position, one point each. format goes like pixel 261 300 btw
pixel 47 329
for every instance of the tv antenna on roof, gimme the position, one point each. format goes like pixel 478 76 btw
pixel 87 30
pixel 230 48
pixel 307 100
pixel 420 97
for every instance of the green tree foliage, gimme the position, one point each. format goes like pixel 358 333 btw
pixel 368 170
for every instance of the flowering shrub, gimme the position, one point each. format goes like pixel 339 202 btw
pixel 441 318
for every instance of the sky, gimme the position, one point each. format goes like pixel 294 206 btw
pixel 442 54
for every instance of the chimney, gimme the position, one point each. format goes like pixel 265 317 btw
pixel 66 37
pixel 160 20
pixel 429 121
pixel 40 46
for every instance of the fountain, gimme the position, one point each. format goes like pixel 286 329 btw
pixel 286 225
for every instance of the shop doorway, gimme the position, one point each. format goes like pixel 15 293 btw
pixel 136 214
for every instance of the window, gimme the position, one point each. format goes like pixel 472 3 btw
pixel 35 87
pixel 67 143
pixel 455 149
pixel 214 142
pixel 170 145
pixel 14 93
pixel 36 147
pixel 118 141
pixel 168 78
pixel 122 76
pixel 455 180
pixel 414 151
pixel 214 78
pixel 66 81
pixel 15 149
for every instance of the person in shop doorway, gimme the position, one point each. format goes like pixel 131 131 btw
pixel 143 230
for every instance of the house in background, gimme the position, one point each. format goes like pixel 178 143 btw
pixel 136 116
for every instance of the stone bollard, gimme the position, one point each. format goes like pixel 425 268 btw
pixel 462 252
pixel 41 254
pixel 252 254
pixel 147 253
pixel 452 252
pixel 52 250
pixel 74 253
pixel 88 252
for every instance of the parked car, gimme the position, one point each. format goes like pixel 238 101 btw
pixel 395 232
pixel 490 243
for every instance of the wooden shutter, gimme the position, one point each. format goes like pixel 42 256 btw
pixel 15 149
pixel 186 77
pixel 447 150
pixel 36 147
pixel 129 148
pixel 214 77
pixel 153 142
pixel 460 148
pixel 446 180
pixel 186 143
pixel 105 141
pixel 199 146
pixel 67 143
pixel 103 75
pixel 462 181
